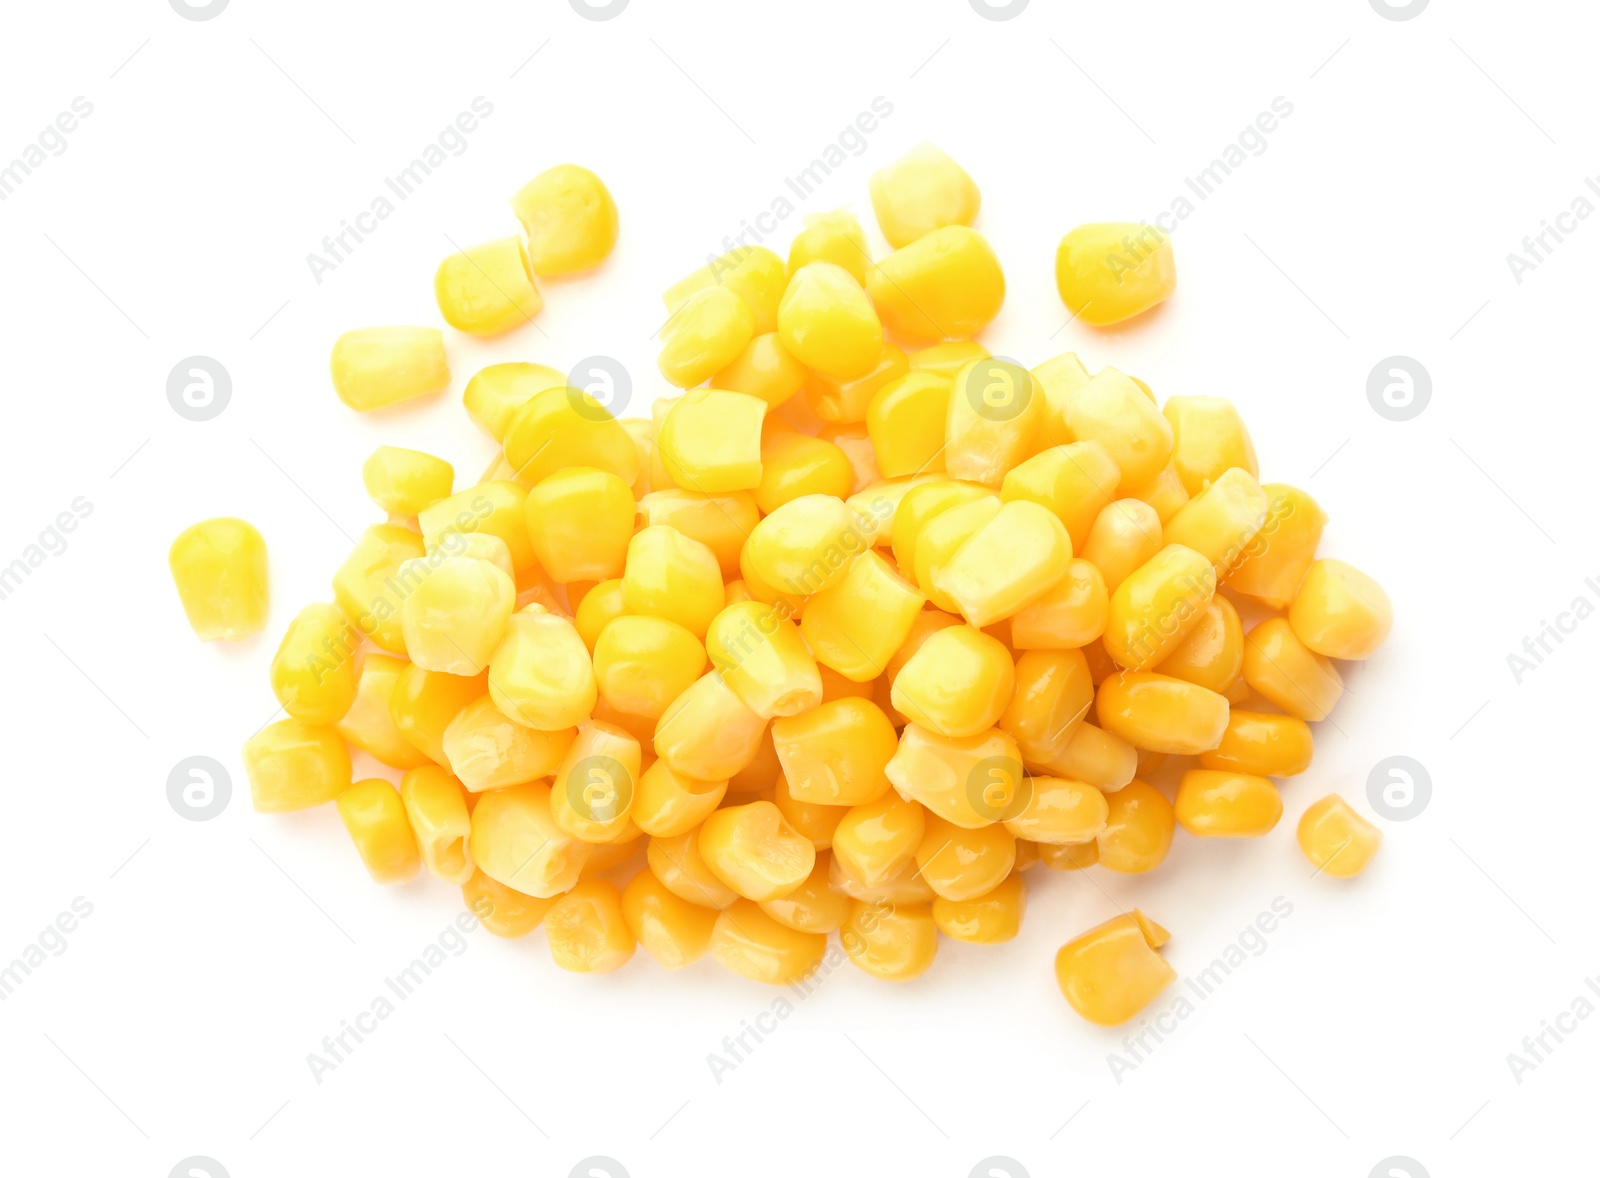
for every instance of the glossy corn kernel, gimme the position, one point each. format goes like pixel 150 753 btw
pixel 805 545
pixel 793 465
pixel 721 522
pixel 835 753
pixel 1112 972
pixel 1096 757
pixel 1059 378
pixel 1126 534
pixel 1055 811
pixel 754 273
pixel 1221 520
pixel 1111 271
pixel 763 369
pixel 541 674
pixel 994 412
pixel 1208 439
pixel 669 575
pixel 1112 410
pixel 906 421
pixel 708 732
pixel 1285 672
pixel 893 943
pixel 515 840
pixel 423 703
pixel 813 907
pixel 835 237
pixel 436 807
pixel 710 441
pixel 990 919
pixel 1337 840
pixel 962 864
pixel 945 285
pixel 752 944
pixel 497 508
pixel 667 803
pixel 642 664
pixel 1138 830
pixel 1013 560
pixel 857 624
pixel 592 795
pixel 1212 652
pixel 569 217
pixel 1052 695
pixel 875 842
pixel 375 818
pixel 1262 743
pixel 561 427
pixel 293 765
pixel 1075 481
pixel 487 289
pixel 487 750
pixel 813 822
pixel 403 482
pixel 1214 803
pixel 1157 605
pixel 504 911
pixel 1340 612
pixel 597 609
pixel 1274 563
pixel 848 400
pixel 368 724
pixel 580 521
pixel 970 781
pixel 495 394
pixel 764 660
pixel 374 367
pixel 827 322
pixel 753 850
pixel 1069 615
pixel 676 862
pixel 947 358
pixel 957 684
pixel 587 930
pixel 456 612
pixel 918 507
pixel 368 586
pixel 1161 714
pixel 220 569
pixel 921 191
pixel 704 336
pixel 671 929
pixel 314 671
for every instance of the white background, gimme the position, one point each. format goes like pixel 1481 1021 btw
pixel 1377 222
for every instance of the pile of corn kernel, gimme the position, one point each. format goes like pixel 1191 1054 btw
pixel 857 628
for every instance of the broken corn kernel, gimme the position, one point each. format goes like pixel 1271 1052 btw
pixel 1337 840
pixel 374 367
pixel 220 569
pixel 1112 972
pixel 569 217
pixel 921 191
pixel 1111 271
pixel 375 818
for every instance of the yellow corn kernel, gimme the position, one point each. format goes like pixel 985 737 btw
pixel 1273 565
pixel 676 862
pixel 580 521
pixel 793 465
pixel 561 427
pixel 1055 811
pixel 754 273
pixel 994 412
pixel 835 754
pixel 813 822
pixel 804 546
pixel 1160 713
pixel 710 441
pixel 848 400
pixel 1215 803
pixel 1013 560
pixel 478 546
pixel 704 336
pixel 944 536
pixel 1070 615
pixel 990 919
pixel 587 930
pixel 906 421
pixel 495 508
pixel 1053 694
pixel 403 482
pixel 436 807
pixel 918 507
pixel 293 765
pixel 672 930
pixel 957 684
pixel 375 818
pixel 1111 271
pixel 541 674
pixel 1262 743
pixel 1164 494
pixel 669 575
pixel 1212 653
pixel 893 943
pixel 314 671
pixel 1208 438
pixel 1112 972
pixel 813 907
pixel 1096 757
pixel 948 358
pixel 423 703
pixel 488 288
pixel 374 367
pixel 1221 520
pixel 504 911
pixel 368 723
pixel 1340 612
pixel 835 237
pixel 1126 534
pixel 921 191
pixel 906 888
pixel 1157 605
pixel 963 864
pixel 1075 481
pixel 875 842
pixel 945 285
pixel 220 569
pixel 495 394
pixel 667 803
pixel 1113 411
pixel 1337 840
pixel 1068 856
pixel 827 322
pixel 599 607
pixel 456 612
pixel 708 732
pixel 593 792
pixel 764 660
pixel 1138 831
pixel 857 624
pixel 752 944
pixel 763 369
pixel 721 522
pixel 1060 378
pixel 487 750
pixel 970 781
pixel 642 664
pixel 569 217
pixel 755 851
pixel 923 626
pixel 515 840
pixel 1285 672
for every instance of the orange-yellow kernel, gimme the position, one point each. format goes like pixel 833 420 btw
pixel 1112 972
pixel 1262 743
pixel 368 723
pixel 875 842
pixel 835 754
pixel 1070 615
pixel 1075 481
pixel 1157 605
pixel 1285 672
pixel 1056 811
pixel 672 930
pixel 1160 713
pixel 893 943
pixel 957 684
pixel 587 930
pixel 1276 559
pixel 1138 831
pixel 755 851
pixel 1340 612
pixel 504 911
pixel 1126 534
pixel 945 285
pixel 1212 653
pixel 1053 694
pixel 1214 803
pixel 1337 840
pixel 487 750
pixel 857 624
pixel 293 765
pixel 990 919
pixel 813 907
pixel 708 732
pixel 516 841
pixel 970 781
pixel 962 864
pixel 752 944
pixel 375 818
pixel 763 658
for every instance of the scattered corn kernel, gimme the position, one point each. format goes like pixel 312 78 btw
pixel 1111 271
pixel 375 367
pixel 921 191
pixel 1112 972
pixel 1337 840
pixel 220 569
pixel 375 818
pixel 487 289
pixel 569 217
pixel 293 765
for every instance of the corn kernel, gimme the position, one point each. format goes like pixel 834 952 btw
pixel 676 862
pixel 592 795
pixel 495 394
pixel 403 482
pixel 1113 411
pixel 496 508
pixel 1096 757
pixel 848 400
pixel 1212 653
pixel 1075 481
pixel 668 575
pixel 1054 811
pixel 1340 612
pixel 752 944
pixel 835 237
pixel 1013 560
pixel 813 907
pixel 293 765
pixel 1126 534
pixel 1070 615
pixel 755 851
pixel 1138 831
pixel 1112 972
pixel 1208 438
pixel 541 674
pixel 504 911
pixel 827 322
pixel 220 569
pixel 423 703
pixel 708 732
pixel 1337 840
pixel 945 285
pixel 945 536
pixel 1052 696
pixel 1214 803
pixel 487 289
pixel 835 754
pixel 994 412
pixel 486 750
pixel 580 521
pixel 1273 565
pixel 921 191
pixel 918 507
pixel 754 273
pixel 1157 605
pixel 962 864
pixel 672 930
pixel 642 664
pixel 1285 672
pixel 667 803
pixel 763 369
pixel 893 943
pixel 793 465
pixel 812 821
pixel 586 929
pixel 569 217
pixel 957 684
pixel 704 336
pixel 515 840
pixel 990 919
pixel 856 624
pixel 721 522
pixel 710 441
pixel 1161 714
pixel 374 367
pixel 764 660
pixel 314 671
pixel 436 807
pixel 368 723
pixel 1262 743
pixel 906 421
pixel 878 840
pixel 1060 378
pixel 1221 520
pixel 805 545
pixel 561 427
pixel 970 781
pixel 375 818
pixel 1111 271
pixel 456 613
